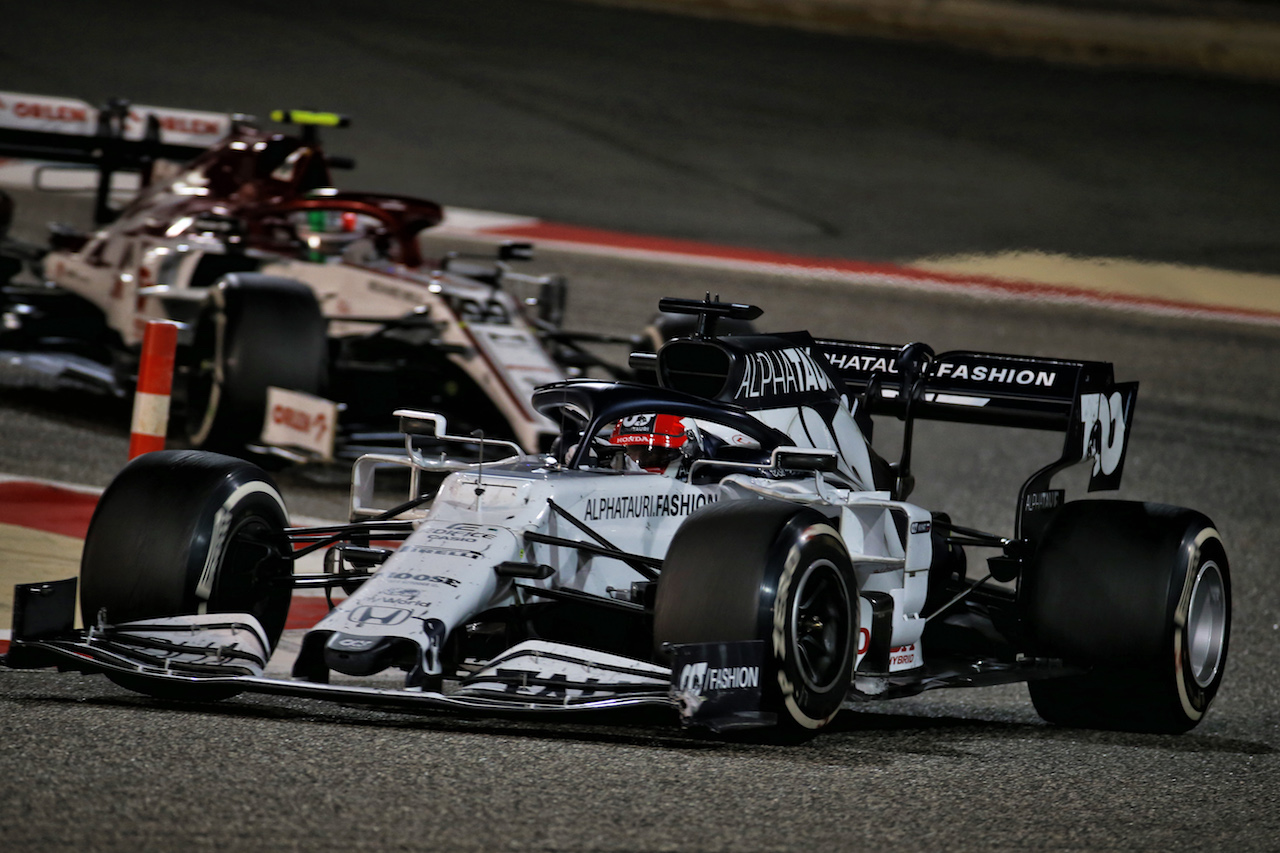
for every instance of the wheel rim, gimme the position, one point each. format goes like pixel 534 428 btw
pixel 820 622
pixel 1206 627
pixel 250 565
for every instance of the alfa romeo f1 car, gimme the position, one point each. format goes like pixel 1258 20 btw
pixel 726 544
pixel 287 291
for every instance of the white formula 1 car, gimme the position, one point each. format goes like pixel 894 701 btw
pixel 726 544
pixel 289 293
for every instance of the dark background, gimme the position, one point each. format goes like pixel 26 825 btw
pixel 706 129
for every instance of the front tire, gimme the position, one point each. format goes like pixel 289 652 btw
pixel 767 570
pixel 181 533
pixel 1140 594
pixel 256 331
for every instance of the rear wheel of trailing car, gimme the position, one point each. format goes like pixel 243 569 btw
pixel 767 570
pixel 185 532
pixel 1140 596
pixel 255 331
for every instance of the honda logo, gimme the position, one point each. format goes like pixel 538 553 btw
pixel 385 616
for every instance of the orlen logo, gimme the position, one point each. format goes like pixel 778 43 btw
pixel 51 112
pixel 300 421
pixel 182 124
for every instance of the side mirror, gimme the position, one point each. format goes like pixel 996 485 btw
pixel 426 424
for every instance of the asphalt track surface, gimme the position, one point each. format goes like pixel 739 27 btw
pixel 87 766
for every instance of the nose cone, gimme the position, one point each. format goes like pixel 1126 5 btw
pixel 355 655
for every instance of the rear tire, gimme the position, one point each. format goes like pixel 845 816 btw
pixel 256 331
pixel 767 570
pixel 1141 595
pixel 185 532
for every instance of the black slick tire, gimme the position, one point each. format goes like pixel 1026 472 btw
pixel 772 571
pixel 187 532
pixel 1139 595
pixel 254 332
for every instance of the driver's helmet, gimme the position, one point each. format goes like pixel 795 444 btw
pixel 655 443
pixel 326 233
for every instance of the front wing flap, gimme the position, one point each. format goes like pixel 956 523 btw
pixel 534 677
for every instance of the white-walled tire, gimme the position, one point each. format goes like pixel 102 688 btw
pixel 254 332
pixel 772 571
pixel 187 532
pixel 1141 595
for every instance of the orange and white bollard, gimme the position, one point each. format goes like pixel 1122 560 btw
pixel 155 383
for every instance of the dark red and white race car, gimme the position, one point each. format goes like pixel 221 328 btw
pixel 291 295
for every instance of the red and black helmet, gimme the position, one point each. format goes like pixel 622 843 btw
pixel 649 431
pixel 652 441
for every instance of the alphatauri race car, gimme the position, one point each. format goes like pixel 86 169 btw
pixel 726 545
pixel 305 312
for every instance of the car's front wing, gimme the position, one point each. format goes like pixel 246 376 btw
pixel 716 685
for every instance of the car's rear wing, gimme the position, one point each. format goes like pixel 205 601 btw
pixel 118 136
pixel 1079 398
pixel 125 137
pixel 969 387
pixel 792 369
pixel 64 129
